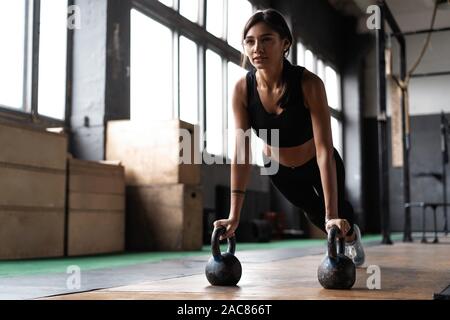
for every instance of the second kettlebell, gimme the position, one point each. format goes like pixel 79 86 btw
pixel 337 271
pixel 223 269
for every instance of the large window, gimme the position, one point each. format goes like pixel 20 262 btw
pixel 168 3
pixel 215 17
pixel 189 9
pixel 238 14
pixel 331 81
pixel 151 70
pixel 214 104
pixel 332 87
pixel 52 58
pixel 195 72
pixel 34 47
pixel 188 81
pixel 310 61
pixel 300 54
pixel 235 72
pixel 12 54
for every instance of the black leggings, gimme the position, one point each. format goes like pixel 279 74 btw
pixel 302 186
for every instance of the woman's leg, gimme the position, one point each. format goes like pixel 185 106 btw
pixel 302 186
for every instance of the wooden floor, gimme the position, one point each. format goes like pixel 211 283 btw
pixel 408 271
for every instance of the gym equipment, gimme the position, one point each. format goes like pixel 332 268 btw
pixel 433 206
pixel 403 83
pixel 336 271
pixel 440 177
pixel 223 269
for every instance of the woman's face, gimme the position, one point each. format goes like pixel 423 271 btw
pixel 263 46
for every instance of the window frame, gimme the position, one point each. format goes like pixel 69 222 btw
pixel 182 26
pixel 334 113
pixel 28 114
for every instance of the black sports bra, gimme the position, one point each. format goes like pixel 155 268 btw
pixel 294 123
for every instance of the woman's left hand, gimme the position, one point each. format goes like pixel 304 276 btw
pixel 342 224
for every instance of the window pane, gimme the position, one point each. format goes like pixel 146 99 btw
pixel 188 81
pixel 336 129
pixel 239 11
pixel 300 54
pixel 214 17
pixel 52 58
pixel 235 72
pixel 151 70
pixel 321 70
pixel 189 9
pixel 310 61
pixel 168 3
pixel 332 87
pixel 214 132
pixel 12 38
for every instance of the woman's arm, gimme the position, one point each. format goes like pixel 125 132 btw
pixel 241 158
pixel 316 100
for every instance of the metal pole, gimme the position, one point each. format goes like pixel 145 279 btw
pixel 444 163
pixel 408 33
pixel 407 236
pixel 383 167
pixel 405 119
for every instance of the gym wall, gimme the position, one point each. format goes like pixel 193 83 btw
pixel 429 96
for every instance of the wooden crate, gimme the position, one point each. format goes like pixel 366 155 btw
pixel 31 233
pixel 165 217
pixel 32 192
pixel 32 147
pixel 96 208
pixel 151 152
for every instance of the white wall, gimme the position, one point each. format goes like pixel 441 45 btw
pixel 428 95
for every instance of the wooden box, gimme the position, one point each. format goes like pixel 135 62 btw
pixel 165 217
pixel 96 208
pixel 32 192
pixel 151 152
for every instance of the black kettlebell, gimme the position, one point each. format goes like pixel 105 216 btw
pixel 223 269
pixel 336 271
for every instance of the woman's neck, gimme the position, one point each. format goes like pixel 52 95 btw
pixel 270 78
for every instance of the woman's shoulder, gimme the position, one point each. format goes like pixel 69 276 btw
pixel 312 86
pixel 240 89
pixel 310 80
pixel 240 86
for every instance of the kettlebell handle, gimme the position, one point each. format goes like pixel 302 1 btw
pixel 215 243
pixel 332 234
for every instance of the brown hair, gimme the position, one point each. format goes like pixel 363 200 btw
pixel 275 20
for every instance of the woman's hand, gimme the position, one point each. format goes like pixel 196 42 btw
pixel 342 224
pixel 230 224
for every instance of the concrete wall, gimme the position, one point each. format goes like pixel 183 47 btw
pixel 100 82
pixel 88 82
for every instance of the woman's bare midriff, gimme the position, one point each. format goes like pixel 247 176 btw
pixel 292 156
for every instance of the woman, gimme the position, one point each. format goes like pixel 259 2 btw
pixel 278 95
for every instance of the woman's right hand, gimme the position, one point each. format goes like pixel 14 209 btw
pixel 230 224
